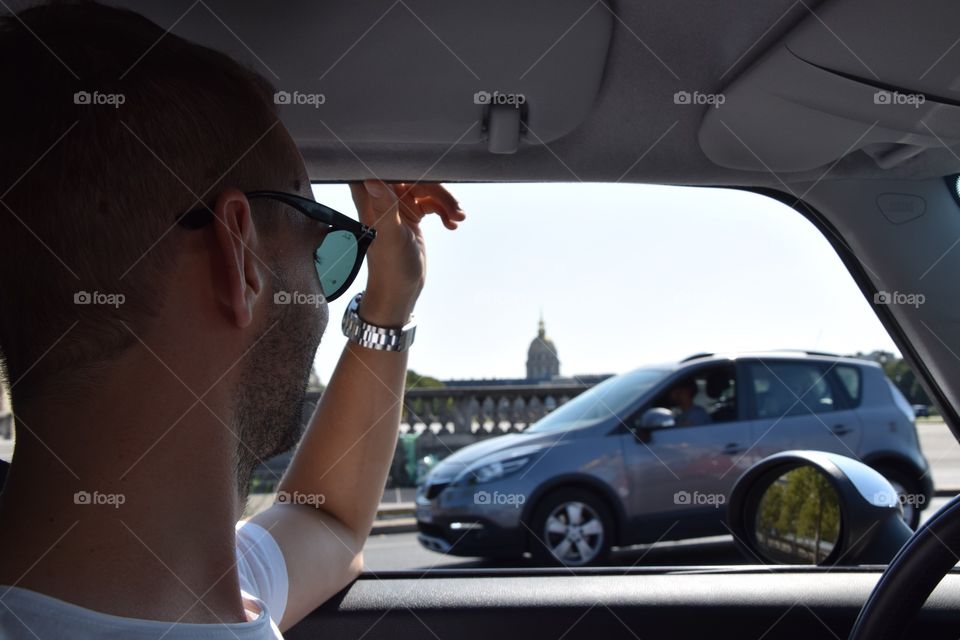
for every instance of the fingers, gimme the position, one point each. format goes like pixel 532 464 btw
pixel 435 191
pixel 409 209
pixel 375 198
pixel 433 198
pixel 430 204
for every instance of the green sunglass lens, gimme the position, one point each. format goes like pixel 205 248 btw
pixel 334 260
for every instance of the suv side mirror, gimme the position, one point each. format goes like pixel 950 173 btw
pixel 656 418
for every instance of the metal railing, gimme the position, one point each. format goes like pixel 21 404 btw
pixel 436 421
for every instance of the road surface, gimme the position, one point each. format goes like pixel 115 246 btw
pixel 401 551
pixel 942 452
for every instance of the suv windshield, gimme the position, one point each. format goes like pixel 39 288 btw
pixel 609 398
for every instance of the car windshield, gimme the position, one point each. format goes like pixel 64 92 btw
pixel 609 398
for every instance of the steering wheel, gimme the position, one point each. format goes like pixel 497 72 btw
pixel 911 577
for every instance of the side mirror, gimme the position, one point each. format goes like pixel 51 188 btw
pixel 813 507
pixel 656 418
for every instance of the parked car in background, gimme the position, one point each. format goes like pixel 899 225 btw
pixel 652 455
pixel 921 410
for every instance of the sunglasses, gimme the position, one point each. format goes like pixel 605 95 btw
pixel 338 256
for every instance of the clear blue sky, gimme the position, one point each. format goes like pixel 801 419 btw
pixel 626 275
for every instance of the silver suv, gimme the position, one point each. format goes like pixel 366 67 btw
pixel 653 454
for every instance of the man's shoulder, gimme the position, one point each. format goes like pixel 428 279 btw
pixel 29 615
pixel 261 567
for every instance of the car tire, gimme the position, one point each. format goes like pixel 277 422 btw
pixel 582 543
pixel 905 485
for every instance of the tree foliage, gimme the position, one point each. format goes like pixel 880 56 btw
pixel 906 380
pixel 799 515
pixel 417 381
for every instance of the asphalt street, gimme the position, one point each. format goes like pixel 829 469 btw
pixel 401 551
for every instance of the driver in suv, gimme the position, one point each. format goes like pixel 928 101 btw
pixel 689 413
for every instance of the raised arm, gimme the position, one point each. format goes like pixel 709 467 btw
pixel 339 470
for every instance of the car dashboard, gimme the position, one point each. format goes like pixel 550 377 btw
pixel 650 603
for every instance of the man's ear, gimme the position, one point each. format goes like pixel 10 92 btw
pixel 237 239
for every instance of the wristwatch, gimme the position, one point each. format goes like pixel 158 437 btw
pixel 373 337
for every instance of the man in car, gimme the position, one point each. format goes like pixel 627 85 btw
pixel 689 413
pixel 165 277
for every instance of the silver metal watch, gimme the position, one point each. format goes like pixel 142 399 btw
pixel 373 337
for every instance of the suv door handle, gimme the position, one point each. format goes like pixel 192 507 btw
pixel 733 448
pixel 840 430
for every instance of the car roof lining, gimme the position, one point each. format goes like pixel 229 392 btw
pixel 633 131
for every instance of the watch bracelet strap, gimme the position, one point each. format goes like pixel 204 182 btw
pixel 375 337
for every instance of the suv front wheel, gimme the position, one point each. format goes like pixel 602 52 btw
pixel 572 527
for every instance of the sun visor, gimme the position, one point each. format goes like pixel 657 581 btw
pixel 881 77
pixel 500 73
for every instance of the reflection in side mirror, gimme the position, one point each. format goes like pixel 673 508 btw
pixel 656 418
pixel 798 518
pixel 813 507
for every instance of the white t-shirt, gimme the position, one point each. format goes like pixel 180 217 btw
pixel 263 585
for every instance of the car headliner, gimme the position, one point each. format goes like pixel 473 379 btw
pixel 633 133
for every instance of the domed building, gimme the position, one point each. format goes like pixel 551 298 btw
pixel 542 360
pixel 543 368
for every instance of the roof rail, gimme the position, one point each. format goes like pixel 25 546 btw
pixel 810 352
pixel 697 356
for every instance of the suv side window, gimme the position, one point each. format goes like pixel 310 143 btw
pixel 849 377
pixel 713 391
pixel 783 389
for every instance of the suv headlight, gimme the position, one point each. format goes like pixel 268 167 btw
pixel 493 470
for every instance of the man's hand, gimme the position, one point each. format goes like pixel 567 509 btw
pixel 397 261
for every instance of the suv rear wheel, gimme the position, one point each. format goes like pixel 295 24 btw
pixel 909 492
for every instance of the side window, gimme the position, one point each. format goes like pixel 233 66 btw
pixel 706 396
pixel 790 389
pixel 849 377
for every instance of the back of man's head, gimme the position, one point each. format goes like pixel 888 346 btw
pixel 111 128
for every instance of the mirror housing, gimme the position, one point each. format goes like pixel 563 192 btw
pixel 656 418
pixel 870 530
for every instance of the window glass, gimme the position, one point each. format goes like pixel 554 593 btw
pixel 901 401
pixel 790 389
pixel 607 399
pixel 555 307
pixel 850 378
pixel 706 396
